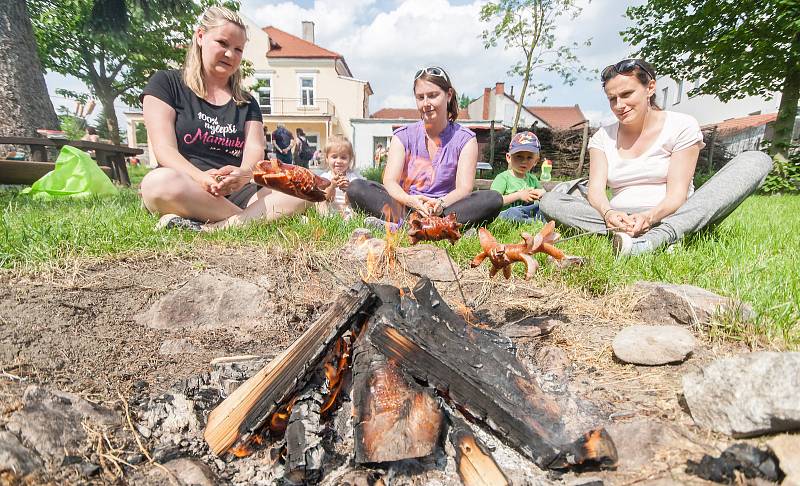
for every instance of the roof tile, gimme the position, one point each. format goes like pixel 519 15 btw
pixel 559 117
pixel 284 45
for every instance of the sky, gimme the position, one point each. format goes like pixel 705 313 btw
pixel 386 41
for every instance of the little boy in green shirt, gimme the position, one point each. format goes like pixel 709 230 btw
pixel 521 189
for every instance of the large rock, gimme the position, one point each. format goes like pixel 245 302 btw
pixel 427 261
pixel 653 345
pixel 746 395
pixel 15 457
pixel 51 422
pixel 686 304
pixel 640 442
pixel 361 245
pixel 787 449
pixel 208 301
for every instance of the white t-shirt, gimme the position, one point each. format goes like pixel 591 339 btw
pixel 642 182
pixel 339 197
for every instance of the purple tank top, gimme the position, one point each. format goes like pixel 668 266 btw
pixel 432 178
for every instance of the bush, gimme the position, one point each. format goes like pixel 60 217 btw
pixel 785 176
pixel 373 174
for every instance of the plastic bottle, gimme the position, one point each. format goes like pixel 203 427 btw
pixel 547 166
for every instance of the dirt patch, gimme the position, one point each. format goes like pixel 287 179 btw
pixel 77 331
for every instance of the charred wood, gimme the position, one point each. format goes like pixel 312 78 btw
pixel 249 407
pixel 435 345
pixel 393 419
pixel 304 451
pixel 475 464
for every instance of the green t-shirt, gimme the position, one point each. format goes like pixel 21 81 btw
pixel 506 183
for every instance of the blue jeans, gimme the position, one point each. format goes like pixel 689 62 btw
pixel 523 214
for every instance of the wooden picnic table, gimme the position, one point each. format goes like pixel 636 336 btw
pixel 106 154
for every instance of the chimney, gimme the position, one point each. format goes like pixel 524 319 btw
pixel 499 88
pixel 486 93
pixel 308 31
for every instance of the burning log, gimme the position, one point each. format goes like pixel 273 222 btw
pixel 433 344
pixel 304 451
pixel 393 419
pixel 476 466
pixel 251 405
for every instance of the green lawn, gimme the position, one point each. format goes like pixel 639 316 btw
pixel 754 255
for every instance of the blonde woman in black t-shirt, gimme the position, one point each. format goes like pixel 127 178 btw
pixel 207 133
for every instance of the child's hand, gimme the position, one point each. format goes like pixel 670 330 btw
pixel 342 183
pixel 527 195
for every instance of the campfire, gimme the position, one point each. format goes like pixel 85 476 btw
pixel 416 375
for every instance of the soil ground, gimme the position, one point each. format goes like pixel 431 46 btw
pixel 75 329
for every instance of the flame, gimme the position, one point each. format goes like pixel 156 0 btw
pixel 280 418
pixel 466 312
pixel 391 215
pixel 334 371
pixel 373 272
pixel 247 448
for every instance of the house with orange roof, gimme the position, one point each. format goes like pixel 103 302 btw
pixel 303 85
pixel 743 133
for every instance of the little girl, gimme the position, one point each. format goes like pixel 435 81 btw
pixel 340 160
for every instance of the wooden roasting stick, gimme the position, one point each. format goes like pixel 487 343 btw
pixel 475 464
pixel 432 343
pixel 247 409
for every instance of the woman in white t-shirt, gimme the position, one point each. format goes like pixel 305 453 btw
pixel 648 159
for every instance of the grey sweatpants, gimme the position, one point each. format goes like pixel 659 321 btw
pixel 710 204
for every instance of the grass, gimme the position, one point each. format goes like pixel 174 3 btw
pixel 754 255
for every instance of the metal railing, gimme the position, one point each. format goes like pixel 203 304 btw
pixel 295 106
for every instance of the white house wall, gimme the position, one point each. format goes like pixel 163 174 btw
pixel 709 109
pixel 364 133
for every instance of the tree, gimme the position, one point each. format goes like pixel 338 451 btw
pixel 112 64
pixel 24 102
pixel 529 26
pixel 749 47
pixel 464 101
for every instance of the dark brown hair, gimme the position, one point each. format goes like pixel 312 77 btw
pixel 643 72
pixel 444 84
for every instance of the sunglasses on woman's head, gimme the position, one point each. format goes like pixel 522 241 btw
pixel 433 71
pixel 623 67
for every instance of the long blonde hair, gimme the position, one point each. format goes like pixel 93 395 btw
pixel 193 66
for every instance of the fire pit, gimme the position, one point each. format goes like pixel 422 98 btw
pixel 420 377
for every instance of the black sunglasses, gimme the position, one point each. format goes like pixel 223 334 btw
pixel 623 67
pixel 433 71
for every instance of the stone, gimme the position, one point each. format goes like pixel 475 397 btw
pixel 530 327
pixel 653 345
pixel 361 244
pixel 188 472
pixel 427 261
pixel 736 461
pixel 231 371
pixel 173 347
pixel 208 301
pixel 787 449
pixel 639 442
pixel 686 304
pixel 51 422
pixel 746 395
pixel 15 457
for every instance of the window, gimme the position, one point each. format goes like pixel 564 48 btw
pixel 313 140
pixel 306 91
pixel 664 96
pixel 265 95
pixel 679 94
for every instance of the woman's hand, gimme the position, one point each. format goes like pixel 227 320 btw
pixel 641 223
pixel 420 203
pixel 230 179
pixel 619 221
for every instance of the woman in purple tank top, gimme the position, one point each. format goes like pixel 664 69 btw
pixel 430 166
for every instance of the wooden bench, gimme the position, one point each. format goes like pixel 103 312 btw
pixel 111 158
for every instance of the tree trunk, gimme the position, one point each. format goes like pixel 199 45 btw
pixel 24 102
pixel 111 117
pixel 790 95
pixel 522 92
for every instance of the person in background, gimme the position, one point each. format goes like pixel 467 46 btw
pixel 207 135
pixel 380 155
pixel 431 164
pixel 303 152
pixel 340 161
pixel 91 135
pixel 521 189
pixel 648 158
pixel 284 143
